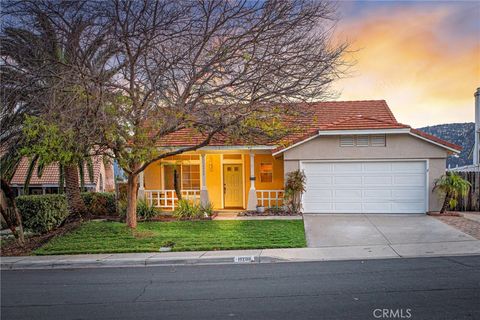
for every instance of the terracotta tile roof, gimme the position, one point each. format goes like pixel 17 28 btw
pixel 50 173
pixel 436 139
pixel 309 118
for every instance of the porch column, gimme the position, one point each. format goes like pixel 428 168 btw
pixel 252 194
pixel 141 189
pixel 204 199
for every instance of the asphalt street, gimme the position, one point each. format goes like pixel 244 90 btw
pixel 423 288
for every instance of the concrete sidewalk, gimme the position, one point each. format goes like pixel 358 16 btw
pixel 243 256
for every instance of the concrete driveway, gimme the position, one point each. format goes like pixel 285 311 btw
pixel 324 230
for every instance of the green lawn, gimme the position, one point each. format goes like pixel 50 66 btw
pixel 111 237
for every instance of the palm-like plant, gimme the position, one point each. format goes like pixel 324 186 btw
pixel 45 69
pixel 452 186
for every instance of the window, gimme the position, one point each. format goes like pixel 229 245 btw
pixel 347 141
pixel 266 172
pixel 377 140
pixel 189 176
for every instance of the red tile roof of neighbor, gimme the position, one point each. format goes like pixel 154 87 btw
pixel 318 116
pixel 50 174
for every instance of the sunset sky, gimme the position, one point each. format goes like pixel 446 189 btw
pixel 423 58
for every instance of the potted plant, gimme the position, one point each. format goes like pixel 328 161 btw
pixel 260 209
pixel 452 186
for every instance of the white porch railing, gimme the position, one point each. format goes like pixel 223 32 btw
pixel 167 199
pixel 270 198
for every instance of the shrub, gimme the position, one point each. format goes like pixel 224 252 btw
pixel 146 211
pixel 187 210
pixel 294 187
pixel 100 203
pixel 42 213
pixel 207 209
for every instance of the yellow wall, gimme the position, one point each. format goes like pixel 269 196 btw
pixel 153 176
pixel 214 180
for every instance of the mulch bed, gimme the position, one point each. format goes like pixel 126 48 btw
pixel 465 225
pixel 267 213
pixel 446 214
pixel 10 247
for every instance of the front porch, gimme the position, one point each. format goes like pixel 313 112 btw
pixel 238 179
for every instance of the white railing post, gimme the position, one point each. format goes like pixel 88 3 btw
pixel 204 198
pixel 252 194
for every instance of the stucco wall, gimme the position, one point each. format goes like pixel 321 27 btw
pixel 399 146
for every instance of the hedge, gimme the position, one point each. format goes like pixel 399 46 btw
pixel 100 203
pixel 43 213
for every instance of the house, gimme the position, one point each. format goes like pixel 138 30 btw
pixel 49 181
pixel 356 156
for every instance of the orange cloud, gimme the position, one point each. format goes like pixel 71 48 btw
pixel 406 57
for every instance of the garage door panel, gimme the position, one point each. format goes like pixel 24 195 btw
pixel 409 166
pixel 410 179
pixel 377 180
pixel 409 207
pixel 353 207
pixel 376 194
pixel 319 180
pixel 347 180
pixel 347 167
pixel 377 167
pixel 318 168
pixel 376 207
pixel 348 194
pixel 409 194
pixel 319 195
pixel 365 187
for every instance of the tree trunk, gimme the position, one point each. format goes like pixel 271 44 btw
pixel 132 185
pixel 446 204
pixel 76 205
pixel 176 184
pixel 10 212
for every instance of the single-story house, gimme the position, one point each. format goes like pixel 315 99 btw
pixel 49 181
pixel 356 157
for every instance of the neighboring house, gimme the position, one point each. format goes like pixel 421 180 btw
pixel 356 156
pixel 48 182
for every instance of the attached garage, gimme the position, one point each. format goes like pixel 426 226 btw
pixel 365 187
pixel 357 158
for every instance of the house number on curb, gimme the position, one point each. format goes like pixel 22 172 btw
pixel 244 259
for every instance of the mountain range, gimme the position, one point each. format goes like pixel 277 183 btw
pixel 462 134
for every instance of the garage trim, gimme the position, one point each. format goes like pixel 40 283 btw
pixel 427 169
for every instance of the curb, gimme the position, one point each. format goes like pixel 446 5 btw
pixel 68 264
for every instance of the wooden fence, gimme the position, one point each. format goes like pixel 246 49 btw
pixel 472 201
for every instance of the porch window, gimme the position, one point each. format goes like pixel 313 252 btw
pixel 189 175
pixel 266 172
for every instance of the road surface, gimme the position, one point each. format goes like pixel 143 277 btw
pixel 423 288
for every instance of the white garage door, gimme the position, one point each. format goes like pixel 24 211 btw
pixel 365 187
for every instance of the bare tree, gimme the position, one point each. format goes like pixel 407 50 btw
pixel 215 68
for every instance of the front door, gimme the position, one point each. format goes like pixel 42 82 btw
pixel 232 185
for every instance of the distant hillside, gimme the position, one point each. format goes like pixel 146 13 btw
pixel 461 134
